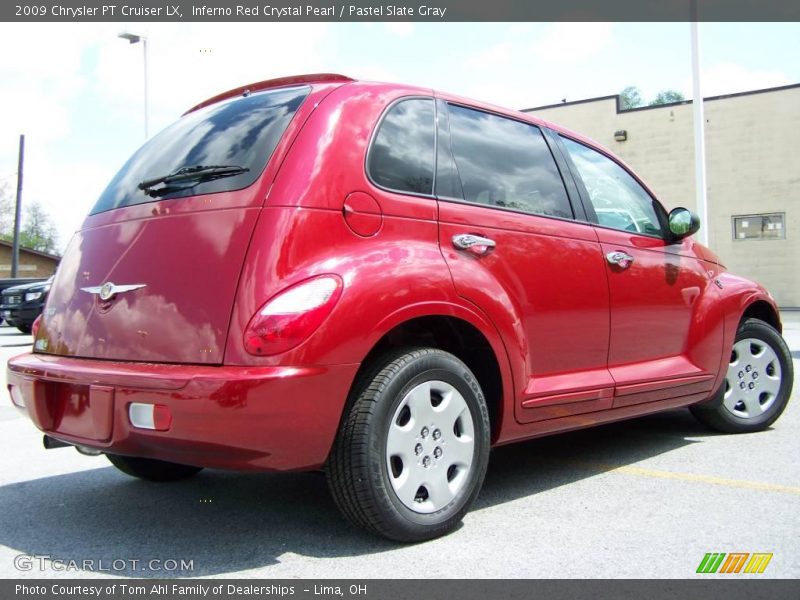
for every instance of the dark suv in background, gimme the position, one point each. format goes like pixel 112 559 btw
pixel 21 304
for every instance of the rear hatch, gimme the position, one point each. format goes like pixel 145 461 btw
pixel 152 275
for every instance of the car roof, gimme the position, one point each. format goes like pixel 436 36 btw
pixel 356 85
pixel 327 78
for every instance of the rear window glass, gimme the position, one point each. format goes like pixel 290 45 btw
pixel 242 131
pixel 401 157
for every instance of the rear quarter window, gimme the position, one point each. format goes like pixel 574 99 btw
pixel 401 155
pixel 242 131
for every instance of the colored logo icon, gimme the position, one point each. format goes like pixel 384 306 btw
pixel 736 562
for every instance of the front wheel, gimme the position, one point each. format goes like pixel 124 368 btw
pixel 412 451
pixel 152 469
pixel 757 384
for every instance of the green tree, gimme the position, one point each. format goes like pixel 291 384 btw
pixel 630 97
pixel 38 230
pixel 6 212
pixel 667 97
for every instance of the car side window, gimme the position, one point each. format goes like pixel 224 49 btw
pixel 401 157
pixel 506 163
pixel 619 201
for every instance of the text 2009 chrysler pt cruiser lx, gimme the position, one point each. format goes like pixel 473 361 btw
pixel 384 281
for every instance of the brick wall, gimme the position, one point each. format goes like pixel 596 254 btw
pixel 30 264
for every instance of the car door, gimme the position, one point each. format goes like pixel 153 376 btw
pixel 666 327
pixel 508 233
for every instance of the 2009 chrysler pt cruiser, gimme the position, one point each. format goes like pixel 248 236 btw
pixel 383 281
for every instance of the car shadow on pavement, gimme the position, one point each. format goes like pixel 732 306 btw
pixel 230 522
pixel 526 468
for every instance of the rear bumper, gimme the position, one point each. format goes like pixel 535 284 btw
pixel 264 418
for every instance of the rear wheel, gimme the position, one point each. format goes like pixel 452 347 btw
pixel 758 382
pixel 152 469
pixel 412 451
pixel 25 328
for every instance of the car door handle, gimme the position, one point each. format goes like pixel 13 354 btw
pixel 619 258
pixel 474 244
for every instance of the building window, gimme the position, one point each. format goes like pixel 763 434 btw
pixel 759 227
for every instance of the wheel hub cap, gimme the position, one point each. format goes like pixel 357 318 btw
pixel 753 379
pixel 430 446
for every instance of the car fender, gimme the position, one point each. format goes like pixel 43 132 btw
pixel 737 295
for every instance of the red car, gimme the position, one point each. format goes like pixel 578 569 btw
pixel 383 281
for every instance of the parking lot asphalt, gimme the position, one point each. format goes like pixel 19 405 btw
pixel 646 498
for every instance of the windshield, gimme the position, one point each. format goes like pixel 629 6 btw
pixel 242 131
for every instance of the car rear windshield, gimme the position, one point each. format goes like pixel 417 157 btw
pixel 241 132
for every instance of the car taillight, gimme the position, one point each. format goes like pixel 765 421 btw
pixel 35 327
pixel 290 317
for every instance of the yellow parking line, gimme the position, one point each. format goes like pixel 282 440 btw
pixel 735 483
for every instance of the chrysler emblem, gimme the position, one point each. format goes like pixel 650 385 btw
pixel 108 290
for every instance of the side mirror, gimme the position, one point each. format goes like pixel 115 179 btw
pixel 683 223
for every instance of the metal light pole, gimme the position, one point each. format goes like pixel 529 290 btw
pixel 135 39
pixel 18 210
pixel 699 132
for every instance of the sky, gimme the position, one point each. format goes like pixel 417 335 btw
pixel 76 90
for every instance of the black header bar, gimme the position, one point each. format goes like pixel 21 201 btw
pixel 706 587
pixel 399 10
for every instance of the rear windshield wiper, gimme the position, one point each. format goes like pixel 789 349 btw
pixel 197 173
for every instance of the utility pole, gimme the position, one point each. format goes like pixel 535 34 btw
pixel 699 132
pixel 18 211
pixel 135 39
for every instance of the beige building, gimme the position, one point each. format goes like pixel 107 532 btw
pixel 752 171
pixel 32 263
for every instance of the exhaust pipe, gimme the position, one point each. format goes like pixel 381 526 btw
pixel 51 443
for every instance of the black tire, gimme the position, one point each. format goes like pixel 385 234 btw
pixel 362 474
pixel 25 328
pixel 728 413
pixel 152 469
